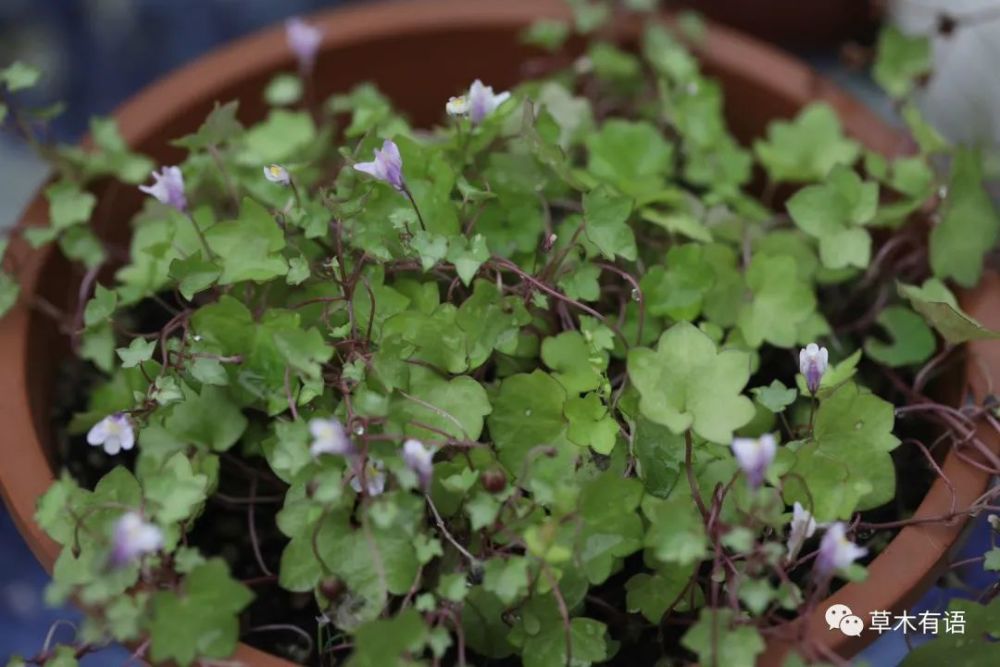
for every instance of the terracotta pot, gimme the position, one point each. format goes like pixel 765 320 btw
pixel 419 53
pixel 800 24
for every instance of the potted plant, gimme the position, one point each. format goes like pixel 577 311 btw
pixel 573 377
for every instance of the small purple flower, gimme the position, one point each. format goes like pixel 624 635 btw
pixel 133 538
pixel 303 40
pixel 813 361
pixel 387 165
pixel 329 437
pixel 483 101
pixel 374 474
pixel 836 551
pixel 803 527
pixel 168 188
pixel 114 433
pixel 420 460
pixel 754 455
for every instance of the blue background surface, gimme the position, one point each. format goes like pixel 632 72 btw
pixel 95 54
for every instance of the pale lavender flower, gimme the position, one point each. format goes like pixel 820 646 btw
pixel 304 40
pixel 114 433
pixel 168 188
pixel 277 174
pixel 329 437
pixel 836 551
pixel 457 106
pixel 813 361
pixel 387 165
pixel 483 101
pixel 133 538
pixel 374 474
pixel 420 460
pixel 754 455
pixel 803 527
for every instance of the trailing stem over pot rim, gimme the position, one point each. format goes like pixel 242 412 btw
pixel 556 382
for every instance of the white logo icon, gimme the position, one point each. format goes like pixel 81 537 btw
pixel 840 617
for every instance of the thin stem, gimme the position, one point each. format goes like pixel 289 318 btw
pixel 413 202
pixel 201 236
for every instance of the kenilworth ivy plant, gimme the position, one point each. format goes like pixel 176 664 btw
pixel 569 379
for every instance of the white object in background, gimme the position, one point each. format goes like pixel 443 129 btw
pixel 962 99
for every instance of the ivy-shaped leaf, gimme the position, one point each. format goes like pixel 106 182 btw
pixel 687 383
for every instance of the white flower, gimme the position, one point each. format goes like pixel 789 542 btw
pixel 304 40
pixel 277 174
pixel 387 165
pixel 457 106
pixel 803 527
pixel 754 455
pixel 836 551
pixel 168 188
pixel 134 537
pixel 483 101
pixel 813 361
pixel 419 459
pixel 329 437
pixel 114 432
pixel 374 474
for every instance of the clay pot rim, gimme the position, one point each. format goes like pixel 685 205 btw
pixel 909 561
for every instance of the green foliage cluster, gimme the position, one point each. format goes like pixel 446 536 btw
pixel 578 303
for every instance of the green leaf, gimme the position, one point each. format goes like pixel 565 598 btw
pixel 677 533
pixel 138 351
pixel 806 148
pixel 632 156
pixel 606 217
pixel 678 288
pixel 219 128
pixel 660 453
pixel 781 302
pixel 573 362
pixel 588 641
pixel 901 60
pixel 527 412
pixel 847 465
pixel 9 292
pixel 969 224
pixel 611 529
pixel 19 76
pixel 282 137
pixel 248 248
pixel 467 255
pixel 386 641
pixel 775 397
pixel 175 490
pixel 651 594
pixel 68 204
pixel 455 407
pixel 991 560
pixel 590 425
pixel 831 213
pixel 546 33
pixel 200 621
pixel 284 90
pixel 912 340
pixel 719 641
pixel 940 309
pixel 209 418
pixel 194 274
pixel 688 383
pixel 678 222
pixel 506 577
